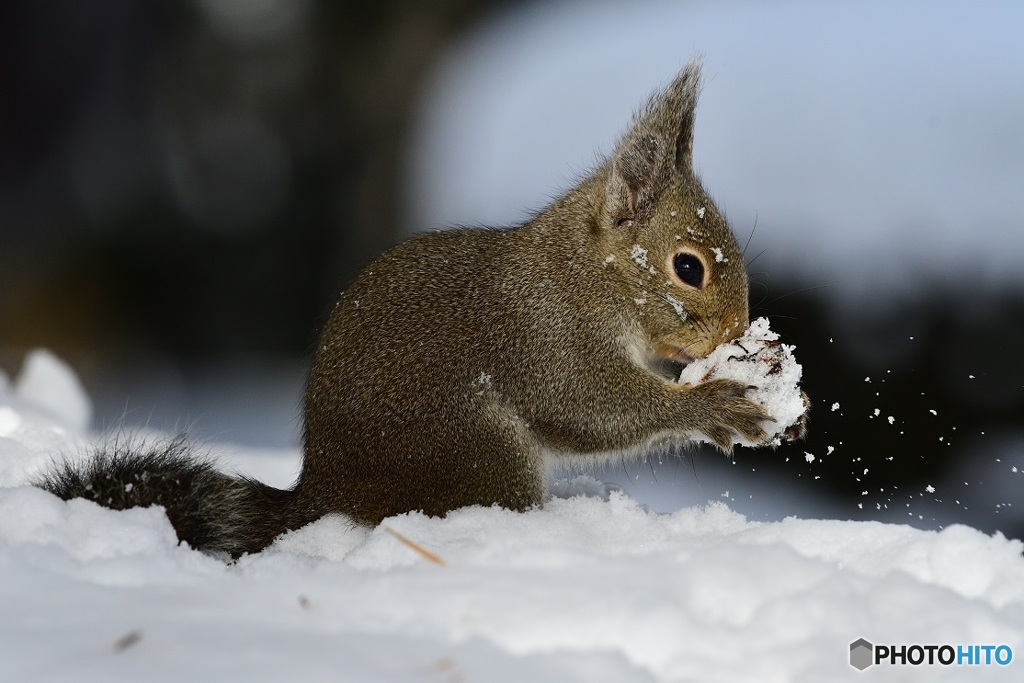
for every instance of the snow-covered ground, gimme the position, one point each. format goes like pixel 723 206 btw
pixel 593 587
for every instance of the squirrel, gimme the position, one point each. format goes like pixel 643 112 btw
pixel 460 363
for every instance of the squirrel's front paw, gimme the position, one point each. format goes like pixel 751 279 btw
pixel 727 412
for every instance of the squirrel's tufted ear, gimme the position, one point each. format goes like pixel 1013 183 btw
pixel 658 146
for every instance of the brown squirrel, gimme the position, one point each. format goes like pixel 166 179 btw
pixel 460 362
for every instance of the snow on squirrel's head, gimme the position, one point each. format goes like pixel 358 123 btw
pixel 669 247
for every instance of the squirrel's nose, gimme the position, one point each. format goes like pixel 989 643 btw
pixel 725 331
pixel 732 328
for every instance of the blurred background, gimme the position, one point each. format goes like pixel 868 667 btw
pixel 186 186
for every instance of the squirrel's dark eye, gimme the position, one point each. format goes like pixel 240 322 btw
pixel 689 269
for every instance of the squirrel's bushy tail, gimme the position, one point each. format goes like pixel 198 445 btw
pixel 210 510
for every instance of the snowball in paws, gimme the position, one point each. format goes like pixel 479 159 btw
pixel 760 360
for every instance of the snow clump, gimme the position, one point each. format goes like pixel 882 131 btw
pixel 761 361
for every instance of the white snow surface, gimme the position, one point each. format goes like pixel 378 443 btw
pixel 590 588
pixel 760 360
pixel 49 383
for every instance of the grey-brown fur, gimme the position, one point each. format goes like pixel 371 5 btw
pixel 458 362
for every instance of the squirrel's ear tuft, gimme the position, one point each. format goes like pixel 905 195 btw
pixel 658 146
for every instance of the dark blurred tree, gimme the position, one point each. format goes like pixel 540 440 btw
pixel 201 178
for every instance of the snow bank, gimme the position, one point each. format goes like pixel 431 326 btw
pixel 49 383
pixel 591 588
